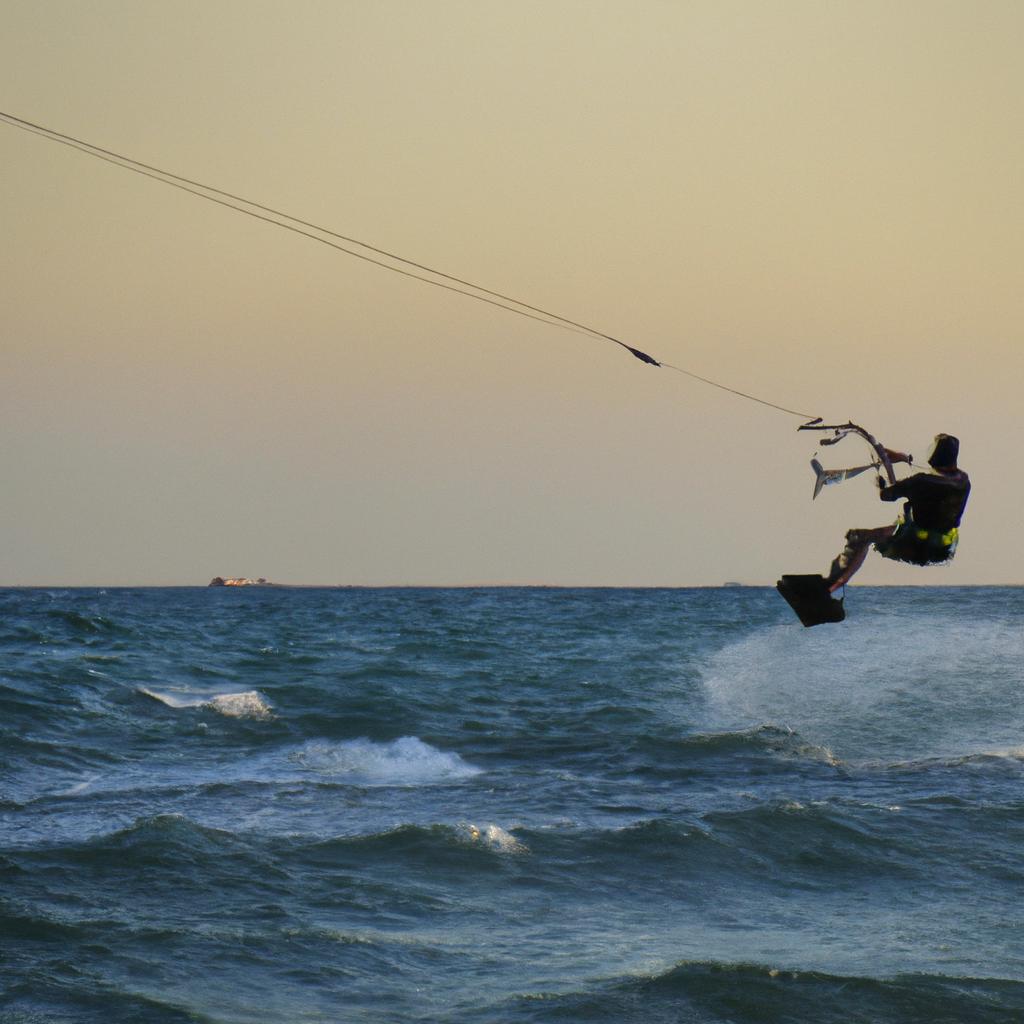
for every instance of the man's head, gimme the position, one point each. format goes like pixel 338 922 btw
pixel 944 452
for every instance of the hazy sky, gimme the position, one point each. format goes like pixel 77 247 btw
pixel 817 202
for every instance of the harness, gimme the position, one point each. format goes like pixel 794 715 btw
pixel 919 545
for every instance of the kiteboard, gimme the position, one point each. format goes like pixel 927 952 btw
pixel 811 599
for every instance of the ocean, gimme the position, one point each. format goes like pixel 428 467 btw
pixel 396 806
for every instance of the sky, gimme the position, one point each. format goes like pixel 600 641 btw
pixel 818 203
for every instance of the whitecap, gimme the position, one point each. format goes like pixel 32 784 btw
pixel 403 762
pixel 494 837
pixel 249 704
pixel 240 705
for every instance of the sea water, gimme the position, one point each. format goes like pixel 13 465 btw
pixel 281 806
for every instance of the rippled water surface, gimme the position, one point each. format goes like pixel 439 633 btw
pixel 505 805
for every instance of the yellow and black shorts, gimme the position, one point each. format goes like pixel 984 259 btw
pixel 919 545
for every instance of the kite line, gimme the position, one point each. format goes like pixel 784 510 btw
pixel 325 236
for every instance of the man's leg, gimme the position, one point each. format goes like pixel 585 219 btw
pixel 851 558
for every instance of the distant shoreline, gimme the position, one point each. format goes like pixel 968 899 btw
pixel 491 586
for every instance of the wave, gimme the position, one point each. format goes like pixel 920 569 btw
pixel 1011 757
pixel 161 838
pixel 819 839
pixel 170 854
pixel 771 740
pixel 249 704
pixel 20 634
pixel 82 624
pixel 713 992
pixel 771 846
pixel 170 845
pixel 430 845
pixel 403 762
pixel 24 924
pixel 46 753
pixel 270 772
pixel 45 998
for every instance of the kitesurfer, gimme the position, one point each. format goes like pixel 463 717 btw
pixel 927 531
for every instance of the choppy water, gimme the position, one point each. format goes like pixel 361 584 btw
pixel 519 805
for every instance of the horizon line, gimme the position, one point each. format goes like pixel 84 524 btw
pixel 730 585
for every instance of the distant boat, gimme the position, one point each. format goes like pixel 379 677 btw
pixel 238 581
pixel 733 583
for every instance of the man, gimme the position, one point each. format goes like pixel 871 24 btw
pixel 927 531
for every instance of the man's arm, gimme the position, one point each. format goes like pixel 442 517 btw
pixel 901 489
pixel 895 456
pixel 891 492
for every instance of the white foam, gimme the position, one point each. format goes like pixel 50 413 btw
pixel 494 837
pixel 240 705
pixel 249 704
pixel 403 762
